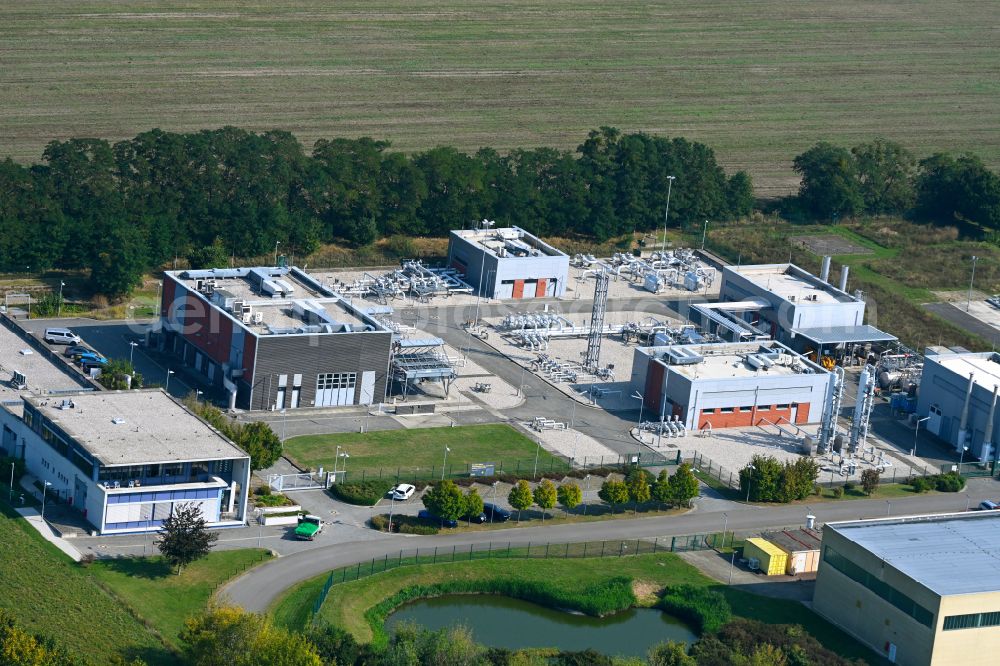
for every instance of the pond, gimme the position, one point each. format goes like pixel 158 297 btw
pixel 511 623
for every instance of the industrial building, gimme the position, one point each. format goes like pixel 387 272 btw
pixel 958 397
pixel 125 459
pixel 919 590
pixel 508 263
pixel 801 548
pixel 725 385
pixel 791 305
pixel 275 338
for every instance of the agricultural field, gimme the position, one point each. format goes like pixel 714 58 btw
pixel 760 82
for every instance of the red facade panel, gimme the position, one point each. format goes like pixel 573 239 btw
pixel 654 386
pixel 249 354
pixel 167 298
pixel 540 288
pixel 518 289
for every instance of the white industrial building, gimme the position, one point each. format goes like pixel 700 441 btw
pixel 125 459
pixel 508 263
pixel 958 395
pixel 725 385
pixel 792 306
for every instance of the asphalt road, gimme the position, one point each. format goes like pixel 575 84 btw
pixel 964 320
pixel 259 588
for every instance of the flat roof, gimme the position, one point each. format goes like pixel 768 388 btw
pixel 794 541
pixel 956 553
pixel 732 360
pixel 301 301
pixel 835 335
pixel 984 367
pixel 135 427
pixel 43 375
pixel 793 284
pixel 513 241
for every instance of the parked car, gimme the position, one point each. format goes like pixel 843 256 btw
pixel 403 491
pixel 424 514
pixel 73 350
pixel 481 518
pixel 90 357
pixel 498 513
pixel 61 336
pixel 989 505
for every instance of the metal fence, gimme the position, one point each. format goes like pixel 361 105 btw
pixel 520 468
pixel 501 550
pixel 705 465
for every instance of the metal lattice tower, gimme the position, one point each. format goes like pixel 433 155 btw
pixel 593 359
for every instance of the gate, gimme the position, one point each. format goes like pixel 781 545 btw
pixel 290 482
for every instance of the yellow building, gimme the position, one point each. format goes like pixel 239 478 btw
pixel 919 590
pixel 801 546
pixel 770 559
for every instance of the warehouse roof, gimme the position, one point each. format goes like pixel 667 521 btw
pixel 508 242
pixel 835 335
pixel 733 360
pixel 135 427
pixel 956 553
pixel 793 284
pixel 794 541
pixel 984 367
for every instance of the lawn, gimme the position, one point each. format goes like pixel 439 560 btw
pixel 165 600
pixel 51 595
pixel 347 602
pixel 419 453
pixel 760 82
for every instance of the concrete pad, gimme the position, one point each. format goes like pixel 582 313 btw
pixel 34 519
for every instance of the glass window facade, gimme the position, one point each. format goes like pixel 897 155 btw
pixel 878 587
pixel 972 621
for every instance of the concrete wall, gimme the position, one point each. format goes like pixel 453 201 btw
pixel 946 390
pixel 868 617
pixel 967 647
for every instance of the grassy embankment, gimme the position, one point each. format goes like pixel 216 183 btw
pixel 759 83
pixel 419 453
pixel 590 583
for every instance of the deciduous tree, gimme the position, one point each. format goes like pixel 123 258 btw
pixel 445 500
pixel 520 497
pixel 870 480
pixel 184 537
pixel 683 486
pixel 570 496
pixel 614 493
pixel 545 496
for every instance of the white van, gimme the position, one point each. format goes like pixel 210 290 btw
pixel 61 336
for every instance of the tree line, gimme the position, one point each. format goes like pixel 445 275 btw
pixel 881 177
pixel 119 209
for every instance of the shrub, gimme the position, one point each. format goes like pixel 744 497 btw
pixel 849 486
pixel 403 524
pixel 838 492
pixel 952 482
pixel 707 609
pixel 922 484
pixel 364 493
pixel 277 499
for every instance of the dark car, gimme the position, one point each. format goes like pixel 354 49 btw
pixel 73 350
pixel 498 514
pixel 481 518
pixel 424 514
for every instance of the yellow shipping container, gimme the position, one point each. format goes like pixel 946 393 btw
pixel 772 559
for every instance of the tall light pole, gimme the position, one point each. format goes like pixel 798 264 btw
pixel 444 464
pixel 131 350
pixel 284 423
pixel 725 527
pixel 197 395
pixel 915 431
pixel 276 244
pixel 44 487
pixel 751 468
pixel 392 505
pixel 961 458
pixel 888 508
pixel 167 387
pixel 10 498
pixel 972 280
pixel 538 447
pixel 704 234
pixel 495 484
pixel 260 523
pixel 666 215
pixel 485 224
pixel 59 307
pixel 642 402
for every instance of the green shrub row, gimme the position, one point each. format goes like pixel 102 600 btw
pixel 404 524
pixel 706 609
pixel 605 598
pixel 951 482
pixel 365 493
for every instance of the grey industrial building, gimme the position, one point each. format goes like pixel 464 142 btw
pixel 711 386
pixel 918 590
pixel 275 338
pixel 958 395
pixel 791 305
pixel 126 459
pixel 508 263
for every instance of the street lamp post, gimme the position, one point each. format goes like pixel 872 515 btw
pixel 538 447
pixel 197 395
pixel 392 506
pixel 10 498
pixel 972 281
pixel 284 423
pixel 131 351
pixel 725 527
pixel 167 386
pixel 751 468
pixel 260 524
pixel 44 487
pixel 587 481
pixel 495 484
pixel 444 464
pixel 666 215
pixel 59 307
pixel 704 235
pixel 916 430
pixel 888 508
pixel 961 457
pixel 642 403
pixel 276 244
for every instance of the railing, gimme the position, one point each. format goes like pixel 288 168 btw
pixel 491 550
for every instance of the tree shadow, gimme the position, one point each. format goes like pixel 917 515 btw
pixel 135 567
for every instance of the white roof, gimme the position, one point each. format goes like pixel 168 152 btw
pixel 955 553
pixel 136 428
pixel 985 371
pixel 792 284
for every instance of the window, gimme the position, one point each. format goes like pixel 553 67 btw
pixel 335 388
pixel 746 408
pixel 972 621
pixel 878 587
pixel 782 407
pixel 726 410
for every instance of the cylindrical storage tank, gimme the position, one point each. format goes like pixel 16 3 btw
pixel 810 522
